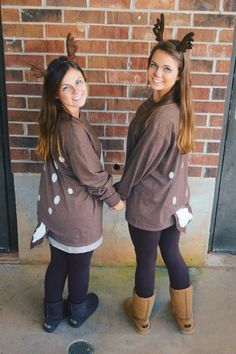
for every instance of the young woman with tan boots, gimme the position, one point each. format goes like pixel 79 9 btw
pixel 154 183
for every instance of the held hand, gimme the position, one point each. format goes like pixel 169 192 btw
pixel 119 206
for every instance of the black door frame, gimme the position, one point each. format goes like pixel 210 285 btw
pixel 8 231
pixel 227 112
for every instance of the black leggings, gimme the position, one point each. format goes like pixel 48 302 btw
pixel 76 267
pixel 145 244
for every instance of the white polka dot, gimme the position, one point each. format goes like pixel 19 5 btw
pixel 50 211
pixel 174 200
pixel 54 177
pixel 171 175
pixel 55 164
pixel 70 191
pixel 57 199
pixel 38 197
pixel 61 159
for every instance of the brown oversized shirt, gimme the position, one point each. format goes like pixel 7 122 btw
pixel 154 182
pixel 73 187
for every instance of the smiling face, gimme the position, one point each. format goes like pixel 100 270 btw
pixel 73 91
pixel 162 73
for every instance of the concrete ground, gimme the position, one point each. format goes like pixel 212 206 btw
pixel 21 315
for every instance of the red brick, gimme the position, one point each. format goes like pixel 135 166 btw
pixel 114 169
pixel 107 117
pixel 223 66
pixel 22 116
pixel 116 131
pixel 79 59
pixel 213 148
pixel 152 4
pixel 124 18
pixel 109 32
pixel 22 2
pixel 20 154
pixel 211 20
pixel 34 156
pixel 22 30
pixel 12 46
pixel 226 36
pixel 139 91
pixel 202 5
pixel 216 121
pixel 212 50
pixel 194 171
pixel 229 5
pixel 209 80
pixel 32 129
pixel 126 77
pixel 208 133
pixel 146 33
pixel 20 141
pixel 112 144
pixel 123 105
pixel 138 63
pixel 95 76
pixel 95 104
pixel 41 15
pixel 210 172
pixel 128 48
pixel 90 46
pixel 77 3
pixel 115 156
pixel 201 65
pixel 10 15
pixel 198 146
pixel 99 130
pixel 203 159
pixel 200 35
pixel 16 129
pixel 27 167
pixel 200 120
pixel 23 60
pixel 26 89
pixel 208 107
pixel 62 30
pixel 106 62
pixel 34 102
pixel 172 19
pixel 201 93
pixel 16 102
pixel 123 4
pixel 107 90
pixel 52 46
pixel 218 93
pixel 14 75
pixel 84 16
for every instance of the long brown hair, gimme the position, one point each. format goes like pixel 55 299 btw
pixel 180 93
pixel 49 139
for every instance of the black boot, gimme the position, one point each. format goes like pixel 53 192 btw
pixel 54 312
pixel 80 312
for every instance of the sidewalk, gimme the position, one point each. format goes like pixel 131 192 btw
pixel 21 294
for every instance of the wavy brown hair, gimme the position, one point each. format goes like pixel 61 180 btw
pixel 49 142
pixel 180 93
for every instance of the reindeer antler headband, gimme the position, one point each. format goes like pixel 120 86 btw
pixel 186 42
pixel 71 48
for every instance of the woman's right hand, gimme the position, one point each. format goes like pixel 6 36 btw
pixel 119 206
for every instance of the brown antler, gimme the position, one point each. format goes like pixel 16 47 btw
pixel 186 42
pixel 71 46
pixel 37 70
pixel 159 28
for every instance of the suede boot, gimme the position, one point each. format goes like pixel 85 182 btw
pixel 139 309
pixel 54 313
pixel 80 312
pixel 181 307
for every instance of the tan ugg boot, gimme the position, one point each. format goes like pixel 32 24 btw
pixel 139 309
pixel 181 306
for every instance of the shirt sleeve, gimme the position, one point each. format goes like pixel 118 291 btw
pixel 88 168
pixel 146 155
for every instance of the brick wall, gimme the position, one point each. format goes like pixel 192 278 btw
pixel 114 39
